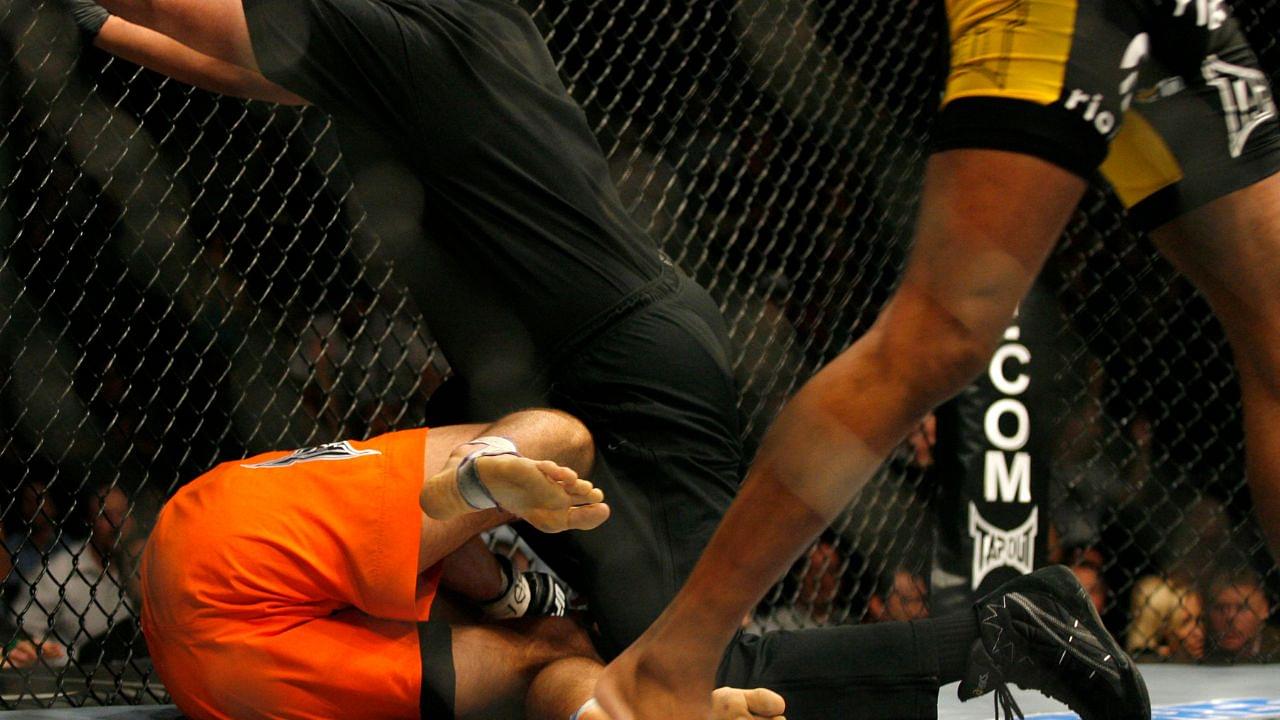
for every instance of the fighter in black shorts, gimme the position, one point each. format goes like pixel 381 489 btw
pixel 1167 100
pixel 483 178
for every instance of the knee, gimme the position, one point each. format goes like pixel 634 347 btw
pixel 576 447
pixel 580 442
pixel 934 354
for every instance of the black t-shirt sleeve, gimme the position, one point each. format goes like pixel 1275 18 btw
pixel 328 51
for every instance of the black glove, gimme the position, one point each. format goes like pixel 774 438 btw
pixel 89 16
pixel 529 594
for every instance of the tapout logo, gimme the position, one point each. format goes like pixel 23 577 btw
pixel 329 451
pixel 1209 13
pixel 995 547
pixel 1246 99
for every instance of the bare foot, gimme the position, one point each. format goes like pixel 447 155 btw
pixel 548 496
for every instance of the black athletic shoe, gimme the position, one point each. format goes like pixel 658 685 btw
pixel 1041 632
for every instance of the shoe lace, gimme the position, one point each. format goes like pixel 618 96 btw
pixel 1005 706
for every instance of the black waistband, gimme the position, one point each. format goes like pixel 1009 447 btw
pixel 437 696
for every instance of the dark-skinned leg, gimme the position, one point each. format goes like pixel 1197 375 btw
pixel 1230 249
pixel 988 221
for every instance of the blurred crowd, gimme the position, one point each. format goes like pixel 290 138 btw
pixel 1220 615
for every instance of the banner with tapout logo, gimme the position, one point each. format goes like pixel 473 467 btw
pixel 992 461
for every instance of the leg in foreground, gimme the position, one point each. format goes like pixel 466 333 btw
pixel 977 251
pixel 1230 249
pixel 542 669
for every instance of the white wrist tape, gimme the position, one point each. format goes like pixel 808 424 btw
pixel 473 491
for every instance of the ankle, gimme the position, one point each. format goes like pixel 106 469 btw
pixel 952 637
pixel 440 498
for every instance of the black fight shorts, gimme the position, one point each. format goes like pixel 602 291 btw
pixel 1165 97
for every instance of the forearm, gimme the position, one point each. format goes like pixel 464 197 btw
pixel 213 27
pixel 167 56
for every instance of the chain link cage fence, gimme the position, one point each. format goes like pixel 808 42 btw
pixel 185 279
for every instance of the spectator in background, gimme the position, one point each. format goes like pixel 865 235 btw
pixel 820 584
pixel 902 596
pixel 17 652
pixel 81 594
pixel 1166 622
pixel 1237 619
pixel 29 548
pixel 123 639
pixel 1086 562
pixel 1090 576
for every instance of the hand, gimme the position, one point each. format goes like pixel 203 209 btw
pixel 52 650
pixel 26 653
pixel 735 704
pixel 528 594
pixel 89 16
pixel 22 655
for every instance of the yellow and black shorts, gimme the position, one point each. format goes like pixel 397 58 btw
pixel 1165 97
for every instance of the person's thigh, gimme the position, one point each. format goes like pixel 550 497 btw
pixel 344 665
pixel 1047 78
pixel 301 534
pixel 1036 92
pixel 1230 249
pixel 493 665
pixel 988 220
